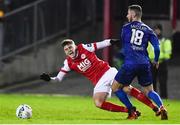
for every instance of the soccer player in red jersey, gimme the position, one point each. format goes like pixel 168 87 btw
pixel 82 59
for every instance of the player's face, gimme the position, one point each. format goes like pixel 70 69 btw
pixel 130 15
pixel 70 50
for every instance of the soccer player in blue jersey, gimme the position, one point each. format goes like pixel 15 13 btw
pixel 135 37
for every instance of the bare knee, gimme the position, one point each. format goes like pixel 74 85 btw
pixel 98 103
pixel 116 86
pixel 127 89
pixel 147 89
pixel 99 98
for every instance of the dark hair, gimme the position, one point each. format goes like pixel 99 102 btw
pixel 158 26
pixel 137 9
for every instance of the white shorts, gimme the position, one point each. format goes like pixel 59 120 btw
pixel 105 82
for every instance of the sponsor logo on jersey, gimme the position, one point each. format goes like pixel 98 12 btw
pixel 137 48
pixel 84 65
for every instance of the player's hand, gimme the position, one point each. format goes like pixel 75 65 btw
pixel 155 64
pixel 45 77
pixel 115 42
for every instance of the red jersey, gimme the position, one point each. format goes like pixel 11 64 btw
pixel 86 63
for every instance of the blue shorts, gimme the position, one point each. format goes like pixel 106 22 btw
pixel 128 72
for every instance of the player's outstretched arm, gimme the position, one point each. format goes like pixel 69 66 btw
pixel 107 42
pixel 100 45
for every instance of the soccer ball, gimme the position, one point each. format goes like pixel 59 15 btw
pixel 24 111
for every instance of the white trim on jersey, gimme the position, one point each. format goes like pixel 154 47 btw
pixel 103 44
pixel 59 77
pixel 99 45
pixel 62 72
pixel 66 66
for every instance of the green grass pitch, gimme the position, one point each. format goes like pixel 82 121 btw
pixel 52 109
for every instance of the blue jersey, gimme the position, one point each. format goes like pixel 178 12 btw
pixel 135 37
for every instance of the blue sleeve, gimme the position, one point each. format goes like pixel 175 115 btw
pixel 122 34
pixel 157 53
pixel 155 43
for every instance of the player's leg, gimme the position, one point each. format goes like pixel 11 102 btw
pixel 145 80
pixel 141 97
pixel 100 102
pixel 118 91
pixel 148 90
pixel 103 89
pixel 124 78
pixel 157 99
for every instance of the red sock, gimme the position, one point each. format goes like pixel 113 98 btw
pixel 141 97
pixel 113 107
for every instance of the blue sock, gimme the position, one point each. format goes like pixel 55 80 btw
pixel 155 97
pixel 123 98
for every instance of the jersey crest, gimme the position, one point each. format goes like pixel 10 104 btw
pixel 83 56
